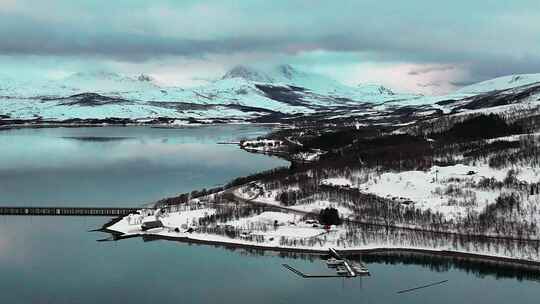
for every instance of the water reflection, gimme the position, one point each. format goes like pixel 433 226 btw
pixel 439 263
pixel 120 165
pixel 54 260
pixel 480 267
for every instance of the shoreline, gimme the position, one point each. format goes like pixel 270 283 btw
pixel 232 243
pixel 45 125
pixel 356 251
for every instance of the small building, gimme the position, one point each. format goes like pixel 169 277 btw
pixel 151 225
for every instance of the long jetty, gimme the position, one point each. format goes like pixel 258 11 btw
pixel 66 211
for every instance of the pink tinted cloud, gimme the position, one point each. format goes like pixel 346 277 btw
pixel 428 79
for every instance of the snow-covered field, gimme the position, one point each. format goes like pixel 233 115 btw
pixel 278 230
pixel 270 225
pixel 450 190
pixel 269 197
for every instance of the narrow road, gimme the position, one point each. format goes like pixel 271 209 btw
pixel 254 201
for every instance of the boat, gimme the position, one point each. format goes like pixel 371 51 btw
pixel 342 271
pixel 331 262
pixel 359 267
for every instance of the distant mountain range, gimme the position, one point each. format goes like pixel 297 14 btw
pixel 245 94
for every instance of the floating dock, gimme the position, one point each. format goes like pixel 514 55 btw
pixel 344 268
pixel 353 269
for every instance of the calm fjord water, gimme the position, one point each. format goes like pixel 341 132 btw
pixel 120 166
pixel 55 260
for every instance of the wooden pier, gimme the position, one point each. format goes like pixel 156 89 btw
pixel 66 211
pixel 348 270
pixel 312 276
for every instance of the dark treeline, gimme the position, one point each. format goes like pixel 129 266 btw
pixel 282 172
pixel 500 218
pixel 185 197
pixel 479 127
pixel 528 153
pixel 400 151
pixel 342 137
pixel 351 149
pixel 519 119
pixel 467 137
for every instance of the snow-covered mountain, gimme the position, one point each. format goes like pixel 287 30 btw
pixel 280 89
pixel 232 85
pixel 287 75
pixel 97 82
pixel 284 89
pixel 248 74
pixel 244 93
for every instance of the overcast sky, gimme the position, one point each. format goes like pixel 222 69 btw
pixel 413 45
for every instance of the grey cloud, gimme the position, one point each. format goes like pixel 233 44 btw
pixel 462 83
pixel 431 69
pixel 429 84
pixel 501 65
pixel 444 37
pixel 40 39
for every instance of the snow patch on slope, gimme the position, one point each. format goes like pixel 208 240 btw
pixel 501 83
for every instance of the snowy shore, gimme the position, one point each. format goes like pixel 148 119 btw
pixel 279 231
pixel 209 240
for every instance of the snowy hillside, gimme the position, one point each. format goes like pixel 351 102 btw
pixel 501 83
pixel 101 82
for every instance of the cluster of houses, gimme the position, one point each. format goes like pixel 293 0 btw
pixel 262 144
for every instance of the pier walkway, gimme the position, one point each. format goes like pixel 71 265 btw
pixel 67 211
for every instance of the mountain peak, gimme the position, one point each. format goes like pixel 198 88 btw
pixel 376 89
pixel 97 74
pixel 287 71
pixel 247 73
pixel 145 78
